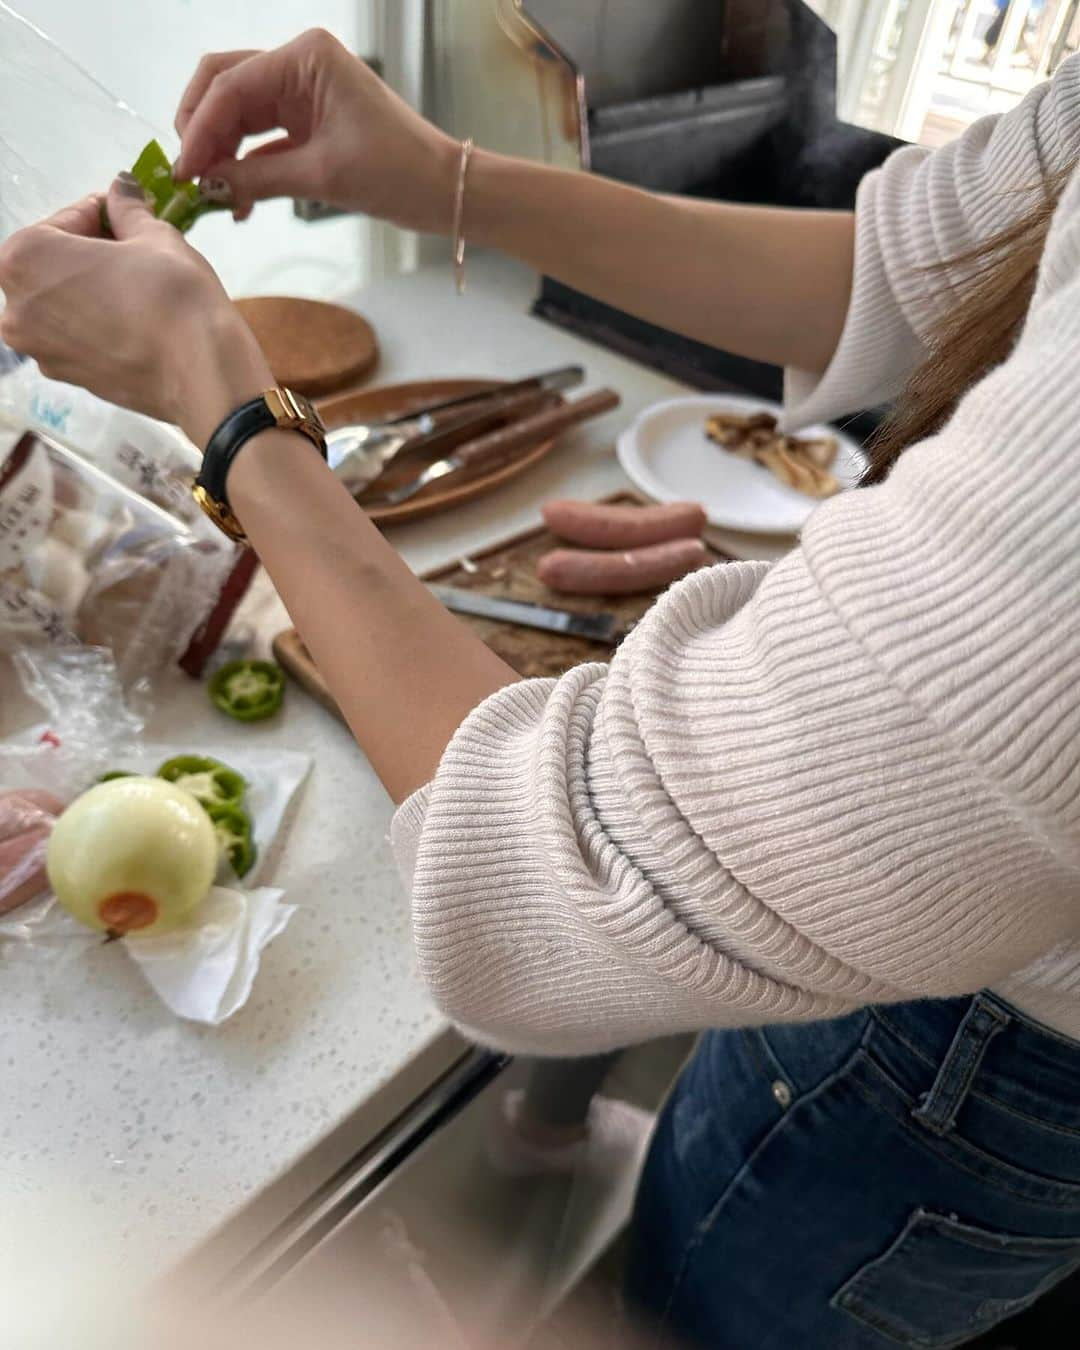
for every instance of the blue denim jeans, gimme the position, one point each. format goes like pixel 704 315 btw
pixel 909 1175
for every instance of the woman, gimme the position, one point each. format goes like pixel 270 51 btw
pixel 846 787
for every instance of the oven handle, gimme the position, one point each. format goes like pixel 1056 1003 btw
pixel 363 1175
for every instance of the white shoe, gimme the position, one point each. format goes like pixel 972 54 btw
pixel 615 1134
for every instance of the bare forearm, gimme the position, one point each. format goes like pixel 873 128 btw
pixel 765 283
pixel 404 672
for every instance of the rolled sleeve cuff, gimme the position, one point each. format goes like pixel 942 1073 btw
pixel 878 348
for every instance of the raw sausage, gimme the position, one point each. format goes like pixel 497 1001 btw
pixel 22 868
pixel 23 809
pixel 585 572
pixel 26 821
pixel 596 525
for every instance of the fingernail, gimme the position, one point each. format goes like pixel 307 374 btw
pixel 128 185
pixel 216 190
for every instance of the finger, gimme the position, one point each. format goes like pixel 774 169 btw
pixel 274 147
pixel 22 329
pixel 239 102
pixel 277 169
pixel 31 255
pixel 210 65
pixel 11 329
pixel 82 217
pixel 127 207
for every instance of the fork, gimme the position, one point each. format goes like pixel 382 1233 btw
pixel 358 454
pixel 498 445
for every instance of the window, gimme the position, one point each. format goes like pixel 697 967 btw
pixel 925 69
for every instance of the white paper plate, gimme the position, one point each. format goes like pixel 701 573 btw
pixel 667 455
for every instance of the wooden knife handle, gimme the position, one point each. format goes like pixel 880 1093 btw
pixel 473 420
pixel 540 427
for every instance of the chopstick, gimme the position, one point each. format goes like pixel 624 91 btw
pixel 562 377
pixel 537 427
pixel 498 445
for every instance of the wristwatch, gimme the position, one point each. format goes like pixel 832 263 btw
pixel 278 407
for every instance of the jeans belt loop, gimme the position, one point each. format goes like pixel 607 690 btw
pixel 938 1108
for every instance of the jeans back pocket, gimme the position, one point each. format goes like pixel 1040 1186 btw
pixel 943 1282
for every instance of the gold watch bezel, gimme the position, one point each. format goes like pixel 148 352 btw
pixel 294 412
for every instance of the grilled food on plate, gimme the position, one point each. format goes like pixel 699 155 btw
pixel 801 463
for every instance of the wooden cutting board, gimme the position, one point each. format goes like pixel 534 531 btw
pixel 507 569
pixel 313 347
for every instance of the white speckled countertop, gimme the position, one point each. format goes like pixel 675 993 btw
pixel 182 1138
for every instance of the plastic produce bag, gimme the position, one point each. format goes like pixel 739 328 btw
pixel 26 821
pixel 84 559
pixel 149 457
pixel 62 134
pixel 88 728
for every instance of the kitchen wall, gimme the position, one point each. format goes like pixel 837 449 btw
pixel 144 51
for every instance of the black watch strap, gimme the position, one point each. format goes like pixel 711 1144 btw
pixel 278 407
pixel 226 443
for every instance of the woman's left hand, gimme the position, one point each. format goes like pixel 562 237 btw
pixel 140 319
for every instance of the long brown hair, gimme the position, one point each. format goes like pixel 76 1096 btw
pixel 989 304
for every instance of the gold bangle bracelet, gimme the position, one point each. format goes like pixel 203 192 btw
pixel 459 216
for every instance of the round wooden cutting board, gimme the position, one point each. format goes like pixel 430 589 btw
pixel 313 347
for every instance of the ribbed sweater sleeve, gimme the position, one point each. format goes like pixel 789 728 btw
pixel 918 213
pixel 852 777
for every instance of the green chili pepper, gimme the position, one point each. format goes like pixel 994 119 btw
pixel 180 203
pixel 208 780
pixel 116 773
pixel 154 174
pixel 248 690
pixel 232 825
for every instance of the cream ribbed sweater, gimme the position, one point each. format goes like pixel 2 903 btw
pixel 851 777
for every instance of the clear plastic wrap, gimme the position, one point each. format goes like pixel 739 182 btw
pixel 108 573
pixel 26 821
pixel 77 140
pixel 88 724
pixel 84 559
pixel 79 136
pixel 62 134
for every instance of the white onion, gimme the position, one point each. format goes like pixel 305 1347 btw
pixel 133 854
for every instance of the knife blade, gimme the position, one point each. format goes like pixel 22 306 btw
pixel 606 628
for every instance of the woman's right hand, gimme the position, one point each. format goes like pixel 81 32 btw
pixel 349 139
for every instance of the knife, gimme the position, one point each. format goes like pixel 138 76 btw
pixel 565 377
pixel 497 446
pixel 606 628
